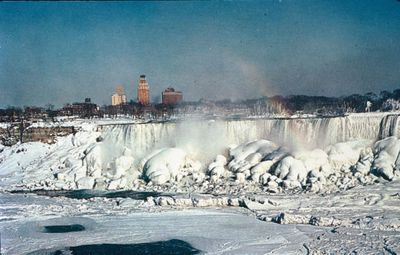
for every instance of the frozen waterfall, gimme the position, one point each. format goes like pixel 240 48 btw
pixel 210 137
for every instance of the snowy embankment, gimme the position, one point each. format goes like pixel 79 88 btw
pixel 74 121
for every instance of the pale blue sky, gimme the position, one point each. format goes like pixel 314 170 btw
pixel 63 52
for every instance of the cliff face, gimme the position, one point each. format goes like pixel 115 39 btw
pixel 10 136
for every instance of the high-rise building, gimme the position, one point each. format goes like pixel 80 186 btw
pixel 171 97
pixel 119 96
pixel 143 92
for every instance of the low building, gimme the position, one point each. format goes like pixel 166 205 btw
pixel 84 110
pixel 171 97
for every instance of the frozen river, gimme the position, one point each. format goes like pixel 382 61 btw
pixel 211 231
pixel 364 219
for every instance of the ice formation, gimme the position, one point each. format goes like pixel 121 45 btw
pixel 271 154
pixel 307 132
pixel 169 164
pixel 387 157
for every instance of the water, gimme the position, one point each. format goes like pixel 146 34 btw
pixel 63 228
pixel 170 247
pixel 87 194
pixel 389 126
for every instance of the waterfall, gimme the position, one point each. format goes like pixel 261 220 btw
pixel 210 137
pixel 389 126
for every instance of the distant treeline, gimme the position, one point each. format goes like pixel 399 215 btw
pixel 384 101
pixel 320 105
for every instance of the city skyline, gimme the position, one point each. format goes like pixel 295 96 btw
pixel 63 52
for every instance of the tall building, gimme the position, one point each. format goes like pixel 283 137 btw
pixel 143 92
pixel 171 97
pixel 119 96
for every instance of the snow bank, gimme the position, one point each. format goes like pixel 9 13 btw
pixel 20 156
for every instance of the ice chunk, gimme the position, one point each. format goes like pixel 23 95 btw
pixel 123 164
pixel 165 165
pixel 263 147
pixel 346 153
pixel 85 183
pixel 249 154
pixel 314 159
pixel 262 167
pixel 221 160
pixel 291 169
pixel 386 157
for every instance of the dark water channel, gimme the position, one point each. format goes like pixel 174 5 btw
pixel 87 193
pixel 63 228
pixel 170 247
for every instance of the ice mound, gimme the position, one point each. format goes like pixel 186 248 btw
pixel 246 156
pixel 217 168
pixel 261 147
pixel 292 171
pixel 274 166
pixel 82 161
pixel 170 164
pixel 122 165
pixel 363 166
pixel 346 153
pixel 85 183
pixel 341 165
pixel 314 160
pixel 386 157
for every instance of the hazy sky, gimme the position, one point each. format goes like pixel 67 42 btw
pixel 63 52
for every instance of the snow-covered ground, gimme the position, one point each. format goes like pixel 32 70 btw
pixel 270 187
pixel 77 122
pixel 212 231
pixel 363 220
